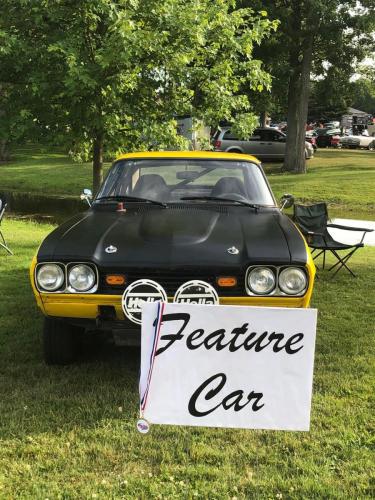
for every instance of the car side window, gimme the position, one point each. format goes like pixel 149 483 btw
pixel 256 136
pixel 228 136
pixel 270 135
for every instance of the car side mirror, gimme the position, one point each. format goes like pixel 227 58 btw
pixel 87 195
pixel 287 200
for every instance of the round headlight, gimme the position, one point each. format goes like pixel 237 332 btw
pixel 50 277
pixel 81 278
pixel 292 281
pixel 261 280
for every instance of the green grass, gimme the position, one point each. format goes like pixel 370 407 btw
pixel 38 170
pixel 343 178
pixel 69 432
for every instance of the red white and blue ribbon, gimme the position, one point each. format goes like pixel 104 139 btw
pixel 143 399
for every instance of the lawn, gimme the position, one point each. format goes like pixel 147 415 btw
pixel 69 432
pixel 343 178
pixel 37 170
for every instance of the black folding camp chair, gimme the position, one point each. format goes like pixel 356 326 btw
pixel 3 243
pixel 313 222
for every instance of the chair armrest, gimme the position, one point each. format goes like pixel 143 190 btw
pixel 309 235
pixel 350 228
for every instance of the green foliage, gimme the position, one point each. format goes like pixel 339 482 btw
pixel 341 34
pixel 331 96
pixel 121 71
pixel 363 94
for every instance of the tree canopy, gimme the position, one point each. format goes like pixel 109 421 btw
pixel 114 75
pixel 314 38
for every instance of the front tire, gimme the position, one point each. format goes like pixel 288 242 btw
pixel 371 146
pixel 60 342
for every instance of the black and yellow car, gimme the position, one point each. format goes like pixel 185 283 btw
pixel 197 226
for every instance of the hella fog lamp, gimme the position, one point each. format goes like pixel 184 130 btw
pixel 81 278
pixel 50 277
pixel 292 281
pixel 261 280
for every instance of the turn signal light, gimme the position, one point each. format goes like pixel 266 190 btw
pixel 227 281
pixel 115 279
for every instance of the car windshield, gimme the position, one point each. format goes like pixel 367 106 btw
pixel 172 180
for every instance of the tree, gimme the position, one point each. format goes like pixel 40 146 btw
pixel 363 93
pixel 112 74
pixel 331 96
pixel 313 36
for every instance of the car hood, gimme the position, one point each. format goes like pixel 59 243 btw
pixel 185 236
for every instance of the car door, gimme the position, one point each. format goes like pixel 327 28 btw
pixel 252 145
pixel 230 142
pixel 276 143
pixel 271 144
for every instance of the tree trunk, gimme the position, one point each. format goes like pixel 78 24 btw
pixel 4 152
pixel 97 163
pixel 298 96
pixel 263 119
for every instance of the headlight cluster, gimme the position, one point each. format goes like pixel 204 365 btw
pixel 81 278
pixel 50 277
pixel 266 280
pixel 73 278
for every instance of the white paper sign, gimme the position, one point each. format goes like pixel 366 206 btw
pixel 227 366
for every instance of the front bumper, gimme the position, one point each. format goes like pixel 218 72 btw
pixel 89 306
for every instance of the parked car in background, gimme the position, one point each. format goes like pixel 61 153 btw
pixel 336 141
pixel 358 141
pixel 324 136
pixel 332 124
pixel 311 138
pixel 265 143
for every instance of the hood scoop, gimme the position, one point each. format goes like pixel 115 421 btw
pixel 170 227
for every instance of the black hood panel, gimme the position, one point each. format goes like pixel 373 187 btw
pixel 185 236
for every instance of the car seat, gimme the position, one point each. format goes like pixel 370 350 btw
pixel 151 186
pixel 227 186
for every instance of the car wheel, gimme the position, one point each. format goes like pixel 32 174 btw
pixel 235 151
pixel 60 342
pixel 371 146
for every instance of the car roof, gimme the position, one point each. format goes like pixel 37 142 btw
pixel 224 129
pixel 202 155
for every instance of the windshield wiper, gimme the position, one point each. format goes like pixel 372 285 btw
pixel 218 198
pixel 132 198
